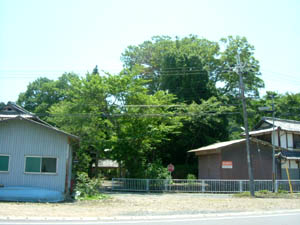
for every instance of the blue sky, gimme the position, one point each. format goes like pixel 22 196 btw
pixel 49 37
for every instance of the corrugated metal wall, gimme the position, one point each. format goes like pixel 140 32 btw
pixel 20 138
pixel 210 166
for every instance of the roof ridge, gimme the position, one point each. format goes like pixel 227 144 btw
pixel 279 119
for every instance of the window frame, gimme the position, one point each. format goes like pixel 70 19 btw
pixel 41 157
pixel 8 169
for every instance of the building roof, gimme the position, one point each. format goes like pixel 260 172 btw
pixel 260 132
pixel 217 145
pixel 289 154
pixel 288 125
pixel 13 109
pixel 108 163
pixel 14 112
pixel 283 124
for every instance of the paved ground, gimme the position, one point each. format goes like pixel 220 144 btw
pixel 271 218
pixel 148 205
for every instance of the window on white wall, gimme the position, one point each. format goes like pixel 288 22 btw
pixel 37 164
pixel 4 163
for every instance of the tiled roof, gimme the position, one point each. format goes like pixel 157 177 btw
pixel 288 125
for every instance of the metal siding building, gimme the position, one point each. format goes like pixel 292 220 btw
pixel 19 138
pixel 211 158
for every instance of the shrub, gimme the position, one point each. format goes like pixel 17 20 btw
pixel 281 191
pixel 157 171
pixel 86 187
pixel 264 192
pixel 191 177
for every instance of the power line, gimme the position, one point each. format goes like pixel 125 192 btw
pixel 105 115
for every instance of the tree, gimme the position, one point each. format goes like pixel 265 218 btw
pixel 95 70
pixel 191 68
pixel 286 106
pixel 43 93
pixel 224 72
pixel 99 113
pixel 197 71
pixel 177 66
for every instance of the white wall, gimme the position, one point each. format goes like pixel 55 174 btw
pixel 286 139
pixel 20 138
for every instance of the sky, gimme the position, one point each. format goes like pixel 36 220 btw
pixel 49 37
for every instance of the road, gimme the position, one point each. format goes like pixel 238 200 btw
pixel 254 219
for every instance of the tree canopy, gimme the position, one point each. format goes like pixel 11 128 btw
pixel 173 95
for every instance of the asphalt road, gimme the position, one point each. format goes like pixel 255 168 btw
pixel 259 219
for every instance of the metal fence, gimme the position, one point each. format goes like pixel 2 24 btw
pixel 213 186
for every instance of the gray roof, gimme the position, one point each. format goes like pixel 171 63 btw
pixel 217 145
pixel 283 124
pixel 14 112
pixel 13 109
pixel 108 163
pixel 21 117
pixel 288 125
pixel 260 132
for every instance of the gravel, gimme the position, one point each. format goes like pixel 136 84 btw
pixel 124 204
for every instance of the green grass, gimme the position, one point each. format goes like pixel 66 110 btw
pixel 94 197
pixel 268 194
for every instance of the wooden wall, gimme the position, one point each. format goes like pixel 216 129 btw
pixel 210 165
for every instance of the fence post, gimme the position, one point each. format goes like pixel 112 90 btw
pixel 276 186
pixel 202 186
pixel 147 185
pixel 166 183
pixel 241 186
pixel 113 184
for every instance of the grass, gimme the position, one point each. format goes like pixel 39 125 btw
pixel 268 194
pixel 94 197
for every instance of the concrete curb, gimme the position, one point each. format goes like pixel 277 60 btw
pixel 210 215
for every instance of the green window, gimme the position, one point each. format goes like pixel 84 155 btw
pixel 33 165
pixel 40 164
pixel 4 163
pixel 48 165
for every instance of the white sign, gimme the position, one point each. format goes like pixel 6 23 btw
pixel 226 164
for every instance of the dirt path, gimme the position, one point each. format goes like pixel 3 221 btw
pixel 147 204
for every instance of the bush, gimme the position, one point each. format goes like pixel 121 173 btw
pixel 281 191
pixel 157 171
pixel 264 192
pixel 191 177
pixel 86 187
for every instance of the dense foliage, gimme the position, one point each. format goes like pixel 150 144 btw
pixel 173 95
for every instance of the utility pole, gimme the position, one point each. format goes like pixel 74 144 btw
pixel 273 146
pixel 240 68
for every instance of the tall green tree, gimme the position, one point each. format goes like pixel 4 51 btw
pixel 286 107
pixel 194 68
pixel 42 93
pixel 227 75
pixel 108 112
pixel 177 66
pixel 197 70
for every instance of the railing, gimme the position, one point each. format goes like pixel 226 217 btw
pixel 214 186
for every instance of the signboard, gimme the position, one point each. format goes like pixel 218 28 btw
pixel 226 164
pixel 171 167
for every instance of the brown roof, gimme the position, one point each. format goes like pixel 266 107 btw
pixel 217 145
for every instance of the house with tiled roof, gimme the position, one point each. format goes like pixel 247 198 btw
pixel 228 160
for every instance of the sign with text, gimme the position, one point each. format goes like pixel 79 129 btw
pixel 226 164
